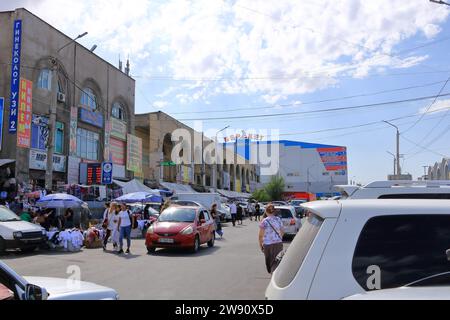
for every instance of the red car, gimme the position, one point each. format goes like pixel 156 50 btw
pixel 181 227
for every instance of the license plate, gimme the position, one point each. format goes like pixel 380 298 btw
pixel 166 240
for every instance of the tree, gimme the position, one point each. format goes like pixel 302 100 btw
pixel 261 195
pixel 275 188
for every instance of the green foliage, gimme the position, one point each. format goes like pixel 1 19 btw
pixel 261 195
pixel 275 188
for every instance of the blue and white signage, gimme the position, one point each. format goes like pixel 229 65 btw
pixel 94 118
pixel 2 111
pixel 107 172
pixel 15 76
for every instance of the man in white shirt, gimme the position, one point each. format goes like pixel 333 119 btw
pixel 233 211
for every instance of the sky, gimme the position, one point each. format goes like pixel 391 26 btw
pixel 234 62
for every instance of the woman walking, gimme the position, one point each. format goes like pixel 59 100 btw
pixel 216 218
pixel 257 212
pixel 113 223
pixel 124 227
pixel 271 238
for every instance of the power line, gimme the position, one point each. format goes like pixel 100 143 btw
pixel 317 111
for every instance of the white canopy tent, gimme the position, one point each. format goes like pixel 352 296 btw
pixel 178 188
pixel 134 186
pixel 233 194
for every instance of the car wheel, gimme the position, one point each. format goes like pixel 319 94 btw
pixel 211 242
pixel 2 246
pixel 28 249
pixel 196 246
pixel 151 250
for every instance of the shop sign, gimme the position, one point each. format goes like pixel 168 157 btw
pixel 118 129
pixel 38 161
pixel 73 170
pixel 73 131
pixel 15 75
pixel 107 172
pixel 24 118
pixel 134 153
pixel 94 118
pixel 117 149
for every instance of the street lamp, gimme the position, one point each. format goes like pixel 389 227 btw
pixel 440 2
pixel 395 160
pixel 399 170
pixel 52 120
pixel 215 164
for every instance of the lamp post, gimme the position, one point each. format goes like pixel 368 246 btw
pixel 395 161
pixel 215 162
pixel 399 170
pixel 52 120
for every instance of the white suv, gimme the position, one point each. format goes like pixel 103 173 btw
pixel 402 189
pixel 352 247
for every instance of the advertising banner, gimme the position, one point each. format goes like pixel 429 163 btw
pixel 15 75
pixel 38 161
pixel 94 118
pixel 107 172
pixel 73 131
pixel 24 114
pixel 334 159
pixel 73 170
pixel 134 153
pixel 107 150
pixel 117 149
pixel 2 112
pixel 39 132
pixel 118 129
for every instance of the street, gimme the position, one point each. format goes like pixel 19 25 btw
pixel 232 269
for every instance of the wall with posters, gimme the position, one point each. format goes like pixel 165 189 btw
pixel 117 149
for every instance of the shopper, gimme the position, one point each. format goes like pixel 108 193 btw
pixel 271 238
pixel 124 226
pixel 68 219
pixel 239 213
pixel 113 223
pixel 233 211
pixel 216 218
pixel 105 224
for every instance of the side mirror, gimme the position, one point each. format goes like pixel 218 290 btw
pixel 36 293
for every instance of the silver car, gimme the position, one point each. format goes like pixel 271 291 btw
pixel 290 223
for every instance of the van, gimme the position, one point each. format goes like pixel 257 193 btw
pixel 18 234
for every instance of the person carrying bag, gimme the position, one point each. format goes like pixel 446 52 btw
pixel 271 238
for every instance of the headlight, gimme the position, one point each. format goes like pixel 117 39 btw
pixel 44 233
pixel 150 230
pixel 188 230
pixel 18 234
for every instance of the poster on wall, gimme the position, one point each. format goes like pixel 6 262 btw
pixel 24 114
pixel 38 161
pixel 118 129
pixel 15 75
pixel 117 149
pixel 73 169
pixel 73 131
pixel 134 153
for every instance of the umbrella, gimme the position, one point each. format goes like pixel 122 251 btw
pixel 59 200
pixel 165 193
pixel 139 197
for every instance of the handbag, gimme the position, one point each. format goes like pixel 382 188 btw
pixel 134 223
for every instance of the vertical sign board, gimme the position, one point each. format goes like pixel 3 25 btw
pixel 107 150
pixel 15 75
pixel 24 114
pixel 73 131
pixel 107 172
pixel 2 110
pixel 134 153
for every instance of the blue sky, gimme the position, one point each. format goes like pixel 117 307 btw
pixel 206 58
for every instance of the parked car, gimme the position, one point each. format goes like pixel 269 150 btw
pixel 290 223
pixel 41 288
pixel 296 203
pixel 181 227
pixel 18 234
pixel 351 247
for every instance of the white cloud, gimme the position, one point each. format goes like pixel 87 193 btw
pixel 439 106
pixel 160 104
pixel 270 48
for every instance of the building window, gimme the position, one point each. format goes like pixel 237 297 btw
pixel 45 79
pixel 59 138
pixel 88 99
pixel 118 111
pixel 87 144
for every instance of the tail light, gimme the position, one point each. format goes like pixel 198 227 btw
pixel 292 222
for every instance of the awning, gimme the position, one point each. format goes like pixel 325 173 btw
pixel 134 186
pixel 178 188
pixel 6 161
pixel 233 194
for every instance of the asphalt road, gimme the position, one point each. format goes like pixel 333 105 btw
pixel 232 269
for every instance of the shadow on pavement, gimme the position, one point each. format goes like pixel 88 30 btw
pixel 177 252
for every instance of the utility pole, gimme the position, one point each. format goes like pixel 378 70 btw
pixel 52 120
pixel 440 2
pixel 214 184
pixel 395 161
pixel 399 170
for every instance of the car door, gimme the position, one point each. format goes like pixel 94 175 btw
pixel 210 226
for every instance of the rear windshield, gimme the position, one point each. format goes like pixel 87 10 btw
pixel 284 213
pixel 174 214
pixel 299 248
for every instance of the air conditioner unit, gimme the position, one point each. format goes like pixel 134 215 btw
pixel 61 97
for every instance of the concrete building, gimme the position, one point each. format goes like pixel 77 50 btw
pixel 156 129
pixel 305 167
pixel 95 108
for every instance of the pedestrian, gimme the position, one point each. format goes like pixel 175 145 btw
pixel 251 210
pixel 257 212
pixel 239 213
pixel 233 212
pixel 113 223
pixel 124 227
pixel 216 218
pixel 271 238
pixel 165 206
pixel 105 224
pixel 68 219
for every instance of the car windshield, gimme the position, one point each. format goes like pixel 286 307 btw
pixel 297 202
pixel 284 213
pixel 185 203
pixel 174 214
pixel 7 215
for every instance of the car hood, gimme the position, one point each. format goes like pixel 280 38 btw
pixel 23 226
pixel 66 289
pixel 171 227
